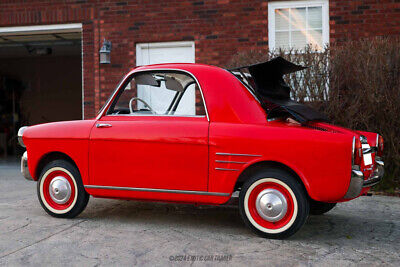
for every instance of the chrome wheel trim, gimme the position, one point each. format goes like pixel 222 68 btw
pixel 60 190
pixel 254 223
pixel 42 190
pixel 271 205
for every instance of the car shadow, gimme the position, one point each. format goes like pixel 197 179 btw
pixel 226 220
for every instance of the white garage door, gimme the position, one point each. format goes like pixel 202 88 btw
pixel 167 52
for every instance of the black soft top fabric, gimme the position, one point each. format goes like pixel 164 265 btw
pixel 268 77
pixel 300 112
pixel 275 93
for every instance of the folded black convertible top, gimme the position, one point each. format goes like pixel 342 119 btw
pixel 267 83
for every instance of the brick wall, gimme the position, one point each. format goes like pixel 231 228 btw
pixel 219 28
pixel 352 20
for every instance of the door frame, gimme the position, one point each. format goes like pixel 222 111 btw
pixel 49 29
pixel 140 47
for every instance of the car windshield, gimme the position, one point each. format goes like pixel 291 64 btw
pixel 109 98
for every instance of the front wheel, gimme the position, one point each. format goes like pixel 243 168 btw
pixel 60 190
pixel 273 204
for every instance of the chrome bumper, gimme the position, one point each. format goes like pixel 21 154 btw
pixel 357 182
pixel 377 175
pixel 24 167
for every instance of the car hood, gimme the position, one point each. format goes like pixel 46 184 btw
pixel 79 129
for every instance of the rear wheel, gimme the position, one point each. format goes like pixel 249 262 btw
pixel 319 208
pixel 273 204
pixel 60 190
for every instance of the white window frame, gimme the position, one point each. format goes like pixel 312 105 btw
pixel 272 6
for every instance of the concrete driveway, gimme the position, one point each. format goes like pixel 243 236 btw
pixel 113 232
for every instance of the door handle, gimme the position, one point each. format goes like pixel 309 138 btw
pixel 103 125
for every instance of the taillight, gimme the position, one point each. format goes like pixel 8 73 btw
pixel 357 151
pixel 379 145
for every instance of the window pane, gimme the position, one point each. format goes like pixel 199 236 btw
pixel 281 19
pixel 315 39
pixel 159 93
pixel 298 18
pixel 158 98
pixel 299 39
pixel 315 17
pixel 298 27
pixel 188 97
pixel 282 39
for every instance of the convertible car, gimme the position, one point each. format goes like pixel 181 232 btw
pixel 193 133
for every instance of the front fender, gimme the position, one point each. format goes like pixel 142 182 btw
pixel 70 138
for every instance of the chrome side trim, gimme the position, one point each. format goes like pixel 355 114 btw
pixel 158 190
pixel 227 161
pixel 233 154
pixel 225 169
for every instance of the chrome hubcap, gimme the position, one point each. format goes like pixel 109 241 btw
pixel 60 190
pixel 271 205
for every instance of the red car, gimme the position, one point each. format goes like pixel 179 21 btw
pixel 194 133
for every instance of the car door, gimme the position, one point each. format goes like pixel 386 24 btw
pixel 149 151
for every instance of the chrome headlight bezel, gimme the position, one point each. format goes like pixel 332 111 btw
pixel 20 134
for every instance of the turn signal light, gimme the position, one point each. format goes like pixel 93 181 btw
pixel 357 151
pixel 379 145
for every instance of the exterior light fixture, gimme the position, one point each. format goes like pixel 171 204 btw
pixel 105 51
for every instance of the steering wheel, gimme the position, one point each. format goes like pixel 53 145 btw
pixel 141 100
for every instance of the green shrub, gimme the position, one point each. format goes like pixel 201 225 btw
pixel 356 84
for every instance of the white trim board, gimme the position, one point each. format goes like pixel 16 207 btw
pixel 41 29
pixel 140 47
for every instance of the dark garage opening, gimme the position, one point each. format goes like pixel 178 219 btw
pixel 40 81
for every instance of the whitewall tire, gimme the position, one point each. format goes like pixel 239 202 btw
pixel 60 190
pixel 273 203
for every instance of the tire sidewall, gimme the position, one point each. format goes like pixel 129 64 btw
pixel 297 192
pixel 80 198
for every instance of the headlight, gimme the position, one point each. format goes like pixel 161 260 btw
pixel 20 133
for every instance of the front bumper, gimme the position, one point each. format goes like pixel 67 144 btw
pixel 24 167
pixel 357 182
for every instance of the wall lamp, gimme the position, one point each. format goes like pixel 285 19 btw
pixel 105 50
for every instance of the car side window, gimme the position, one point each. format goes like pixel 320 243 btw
pixel 159 93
